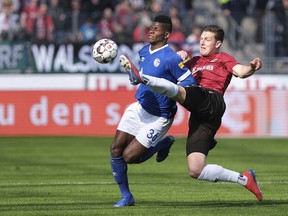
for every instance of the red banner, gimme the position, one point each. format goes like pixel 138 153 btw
pixel 97 113
pixel 68 112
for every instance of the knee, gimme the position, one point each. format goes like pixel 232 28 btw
pixel 196 162
pixel 116 151
pixel 130 158
pixel 194 172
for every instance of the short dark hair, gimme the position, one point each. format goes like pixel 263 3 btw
pixel 165 20
pixel 219 32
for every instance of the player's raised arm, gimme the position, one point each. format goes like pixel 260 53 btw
pixel 244 71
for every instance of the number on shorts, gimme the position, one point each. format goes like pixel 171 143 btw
pixel 152 135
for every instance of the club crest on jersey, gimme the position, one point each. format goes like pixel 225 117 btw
pixel 213 60
pixel 156 62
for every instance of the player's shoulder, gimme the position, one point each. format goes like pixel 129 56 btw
pixel 145 48
pixel 171 54
pixel 192 61
pixel 169 49
pixel 227 59
pixel 225 55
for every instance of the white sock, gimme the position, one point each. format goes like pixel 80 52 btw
pixel 160 85
pixel 214 173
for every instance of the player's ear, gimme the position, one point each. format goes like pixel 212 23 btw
pixel 218 44
pixel 167 35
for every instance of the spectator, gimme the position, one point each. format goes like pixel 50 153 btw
pixel 77 18
pixel 259 11
pixel 28 17
pixel 177 38
pixel 88 31
pixel 127 18
pixel 95 8
pixel 179 5
pixel 14 5
pixel 235 8
pixel 107 23
pixel 282 14
pixel 60 20
pixel 189 20
pixel 137 5
pixel 155 8
pixel 9 21
pixel 273 29
pixel 44 26
pixel 193 41
pixel 173 12
pixel 140 33
pixel 235 11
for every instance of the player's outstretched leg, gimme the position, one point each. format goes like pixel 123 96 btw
pixel 163 153
pixel 252 185
pixel 134 74
pixel 215 173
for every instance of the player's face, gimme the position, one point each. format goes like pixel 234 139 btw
pixel 208 44
pixel 157 33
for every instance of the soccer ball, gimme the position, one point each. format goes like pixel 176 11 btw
pixel 104 51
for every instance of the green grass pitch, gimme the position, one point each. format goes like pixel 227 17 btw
pixel 72 176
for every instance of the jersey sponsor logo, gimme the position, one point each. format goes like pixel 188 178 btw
pixel 204 67
pixel 156 62
pixel 208 67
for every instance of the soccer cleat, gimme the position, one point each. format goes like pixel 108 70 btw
pixel 134 74
pixel 252 185
pixel 163 153
pixel 125 201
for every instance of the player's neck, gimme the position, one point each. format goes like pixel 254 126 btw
pixel 157 45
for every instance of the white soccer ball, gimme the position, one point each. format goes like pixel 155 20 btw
pixel 104 51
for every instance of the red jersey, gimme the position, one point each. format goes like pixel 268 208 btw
pixel 213 72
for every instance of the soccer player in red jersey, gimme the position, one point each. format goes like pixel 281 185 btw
pixel 213 71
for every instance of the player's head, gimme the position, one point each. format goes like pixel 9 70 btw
pixel 217 30
pixel 165 21
pixel 211 40
pixel 160 30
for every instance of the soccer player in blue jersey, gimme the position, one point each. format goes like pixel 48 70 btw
pixel 142 127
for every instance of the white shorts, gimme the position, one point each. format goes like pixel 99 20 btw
pixel 148 129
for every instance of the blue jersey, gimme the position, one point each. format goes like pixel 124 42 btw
pixel 162 63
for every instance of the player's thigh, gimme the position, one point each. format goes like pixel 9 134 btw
pixel 200 138
pixel 130 121
pixel 134 151
pixel 152 130
pixel 120 142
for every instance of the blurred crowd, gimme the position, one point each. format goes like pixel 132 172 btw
pixel 88 20
pixel 270 18
pixel 127 21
